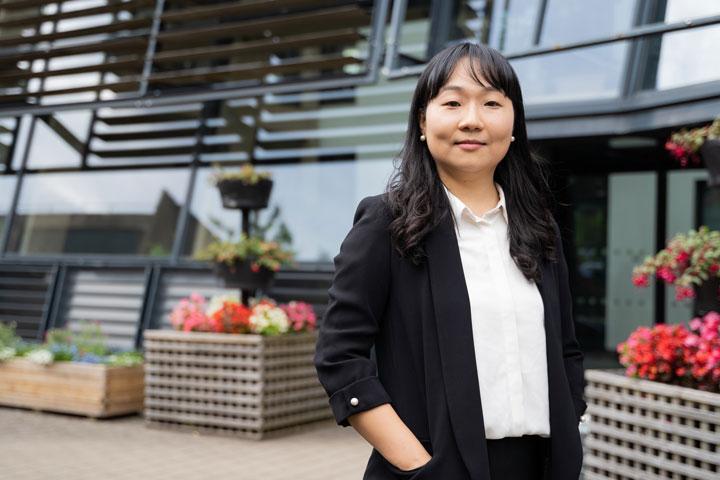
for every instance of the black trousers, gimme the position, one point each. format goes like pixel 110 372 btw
pixel 519 458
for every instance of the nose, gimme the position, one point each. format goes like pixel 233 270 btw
pixel 471 118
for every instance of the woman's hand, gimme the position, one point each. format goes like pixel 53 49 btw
pixel 415 465
pixel 383 429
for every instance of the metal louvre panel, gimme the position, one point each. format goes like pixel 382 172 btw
pixel 257 42
pixel 111 297
pixel 158 134
pixel 50 49
pixel 114 49
pixel 24 298
pixel 353 124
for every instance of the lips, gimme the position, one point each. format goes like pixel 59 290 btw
pixel 470 142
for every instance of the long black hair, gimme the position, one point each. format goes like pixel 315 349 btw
pixel 415 192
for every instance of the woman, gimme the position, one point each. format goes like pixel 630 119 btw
pixel 456 276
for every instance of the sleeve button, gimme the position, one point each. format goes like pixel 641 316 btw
pixel 354 402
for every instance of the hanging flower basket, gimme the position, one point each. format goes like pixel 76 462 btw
pixel 238 194
pixel 710 153
pixel 690 262
pixel 242 275
pixel 246 188
pixel 249 263
pixel 702 143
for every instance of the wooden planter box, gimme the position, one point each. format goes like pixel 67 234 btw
pixel 640 429
pixel 92 390
pixel 248 386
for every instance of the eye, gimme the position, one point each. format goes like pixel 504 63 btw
pixel 493 103
pixel 451 101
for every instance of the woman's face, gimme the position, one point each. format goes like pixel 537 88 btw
pixel 465 111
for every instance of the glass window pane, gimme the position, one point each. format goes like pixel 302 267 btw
pixel 513 25
pixel 7 134
pixel 7 189
pixel 130 213
pixel 21 141
pixel 689 57
pixel 316 203
pixel 679 10
pixel 362 123
pixel 123 136
pixel 570 20
pixel 588 73
pixel 59 139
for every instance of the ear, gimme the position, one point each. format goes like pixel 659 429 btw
pixel 421 121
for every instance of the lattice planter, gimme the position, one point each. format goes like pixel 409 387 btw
pixel 640 429
pixel 250 386
pixel 92 390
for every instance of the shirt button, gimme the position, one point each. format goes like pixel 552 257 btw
pixel 354 402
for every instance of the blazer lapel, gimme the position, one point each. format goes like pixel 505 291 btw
pixel 457 351
pixel 452 318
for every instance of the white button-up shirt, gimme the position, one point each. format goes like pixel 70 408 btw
pixel 507 316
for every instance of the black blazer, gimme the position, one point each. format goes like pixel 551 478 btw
pixel 418 319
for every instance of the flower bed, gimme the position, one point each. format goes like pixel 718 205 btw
pixel 660 418
pixel 238 370
pixel 70 373
pixel 646 429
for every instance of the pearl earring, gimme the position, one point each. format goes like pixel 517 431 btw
pixel 512 139
pixel 422 138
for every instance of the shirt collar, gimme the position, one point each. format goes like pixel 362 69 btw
pixel 458 207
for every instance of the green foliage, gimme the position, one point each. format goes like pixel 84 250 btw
pixel 125 359
pixel 691 140
pixel 260 230
pixel 8 337
pixel 260 253
pixel 88 340
pixel 247 174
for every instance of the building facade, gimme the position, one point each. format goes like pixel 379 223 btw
pixel 114 113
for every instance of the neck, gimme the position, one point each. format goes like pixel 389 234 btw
pixel 477 192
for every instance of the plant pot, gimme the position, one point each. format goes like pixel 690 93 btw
pixel 92 390
pixel 710 153
pixel 706 297
pixel 236 194
pixel 245 385
pixel 644 429
pixel 239 275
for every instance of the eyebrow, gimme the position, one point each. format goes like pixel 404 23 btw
pixel 461 89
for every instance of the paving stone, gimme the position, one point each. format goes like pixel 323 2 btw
pixel 47 446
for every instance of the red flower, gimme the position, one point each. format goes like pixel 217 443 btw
pixel 666 274
pixel 640 280
pixel 682 257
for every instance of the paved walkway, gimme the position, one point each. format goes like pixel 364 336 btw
pixel 46 446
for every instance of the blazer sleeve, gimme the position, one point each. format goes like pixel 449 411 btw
pixel 572 355
pixel 357 300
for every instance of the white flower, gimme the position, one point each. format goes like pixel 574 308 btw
pixel 41 357
pixel 217 301
pixel 6 353
pixel 267 319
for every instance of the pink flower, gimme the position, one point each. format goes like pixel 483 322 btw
pixel 640 280
pixel 682 257
pixel 301 315
pixel 666 274
pixel 682 293
pixel 189 314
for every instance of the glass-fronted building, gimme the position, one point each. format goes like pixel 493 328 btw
pixel 113 113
